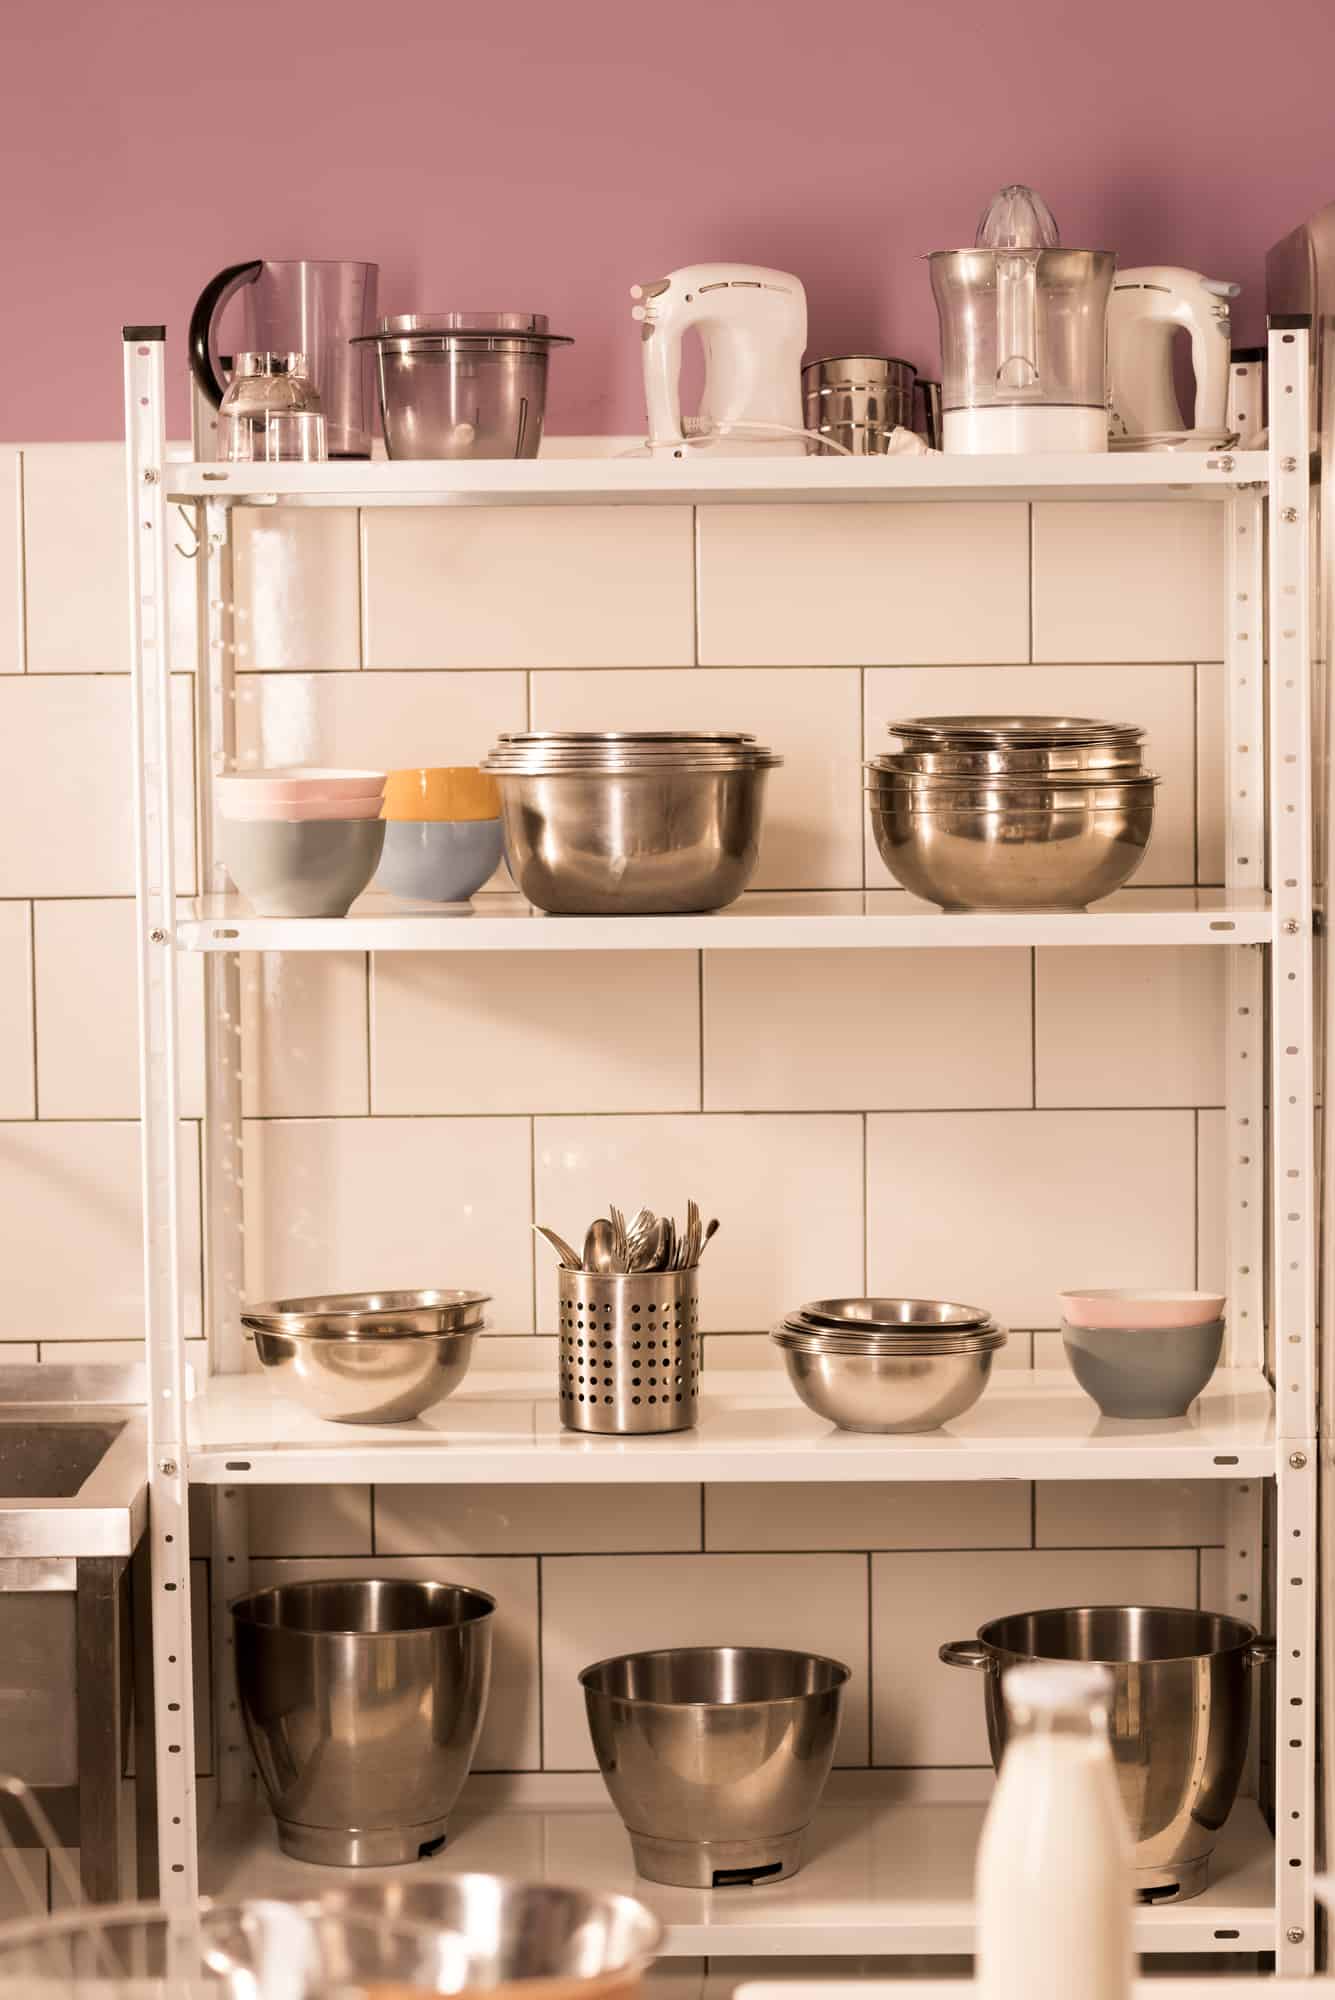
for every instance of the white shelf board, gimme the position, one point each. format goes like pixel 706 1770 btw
pixel 881 1876
pixel 876 919
pixel 506 1428
pixel 701 477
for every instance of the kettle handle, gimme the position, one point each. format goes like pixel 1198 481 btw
pixel 207 306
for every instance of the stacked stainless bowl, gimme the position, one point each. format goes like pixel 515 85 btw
pixel 1012 812
pixel 889 1365
pixel 648 822
pixel 368 1357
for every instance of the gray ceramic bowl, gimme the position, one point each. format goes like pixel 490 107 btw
pixel 1135 1372
pixel 439 860
pixel 302 867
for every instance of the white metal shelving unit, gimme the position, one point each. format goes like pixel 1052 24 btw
pixel 890 1873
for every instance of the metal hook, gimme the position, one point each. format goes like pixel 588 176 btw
pixel 188 518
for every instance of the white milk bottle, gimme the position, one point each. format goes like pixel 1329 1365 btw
pixel 1054 1881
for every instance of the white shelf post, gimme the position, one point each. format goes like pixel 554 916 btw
pixel 1293 1192
pixel 155 899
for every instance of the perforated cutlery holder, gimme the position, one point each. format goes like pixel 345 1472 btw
pixel 630 1351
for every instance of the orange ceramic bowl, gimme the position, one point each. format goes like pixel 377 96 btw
pixel 444 791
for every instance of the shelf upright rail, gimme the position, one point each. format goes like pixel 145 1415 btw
pixel 159 1105
pixel 1293 1190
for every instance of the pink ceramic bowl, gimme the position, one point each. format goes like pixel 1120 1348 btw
pixel 1146 1311
pixel 295 783
pixel 252 809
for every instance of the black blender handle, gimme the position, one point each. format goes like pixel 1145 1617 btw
pixel 210 302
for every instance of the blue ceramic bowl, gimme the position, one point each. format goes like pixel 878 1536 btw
pixel 439 860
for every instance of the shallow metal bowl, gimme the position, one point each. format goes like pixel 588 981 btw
pixel 372 1378
pixel 646 842
pixel 859 1313
pixel 715 1756
pixel 1118 758
pixel 493 1931
pixel 946 732
pixel 858 1387
pixel 804 1336
pixel 1036 791
pixel 339 1313
pixel 1012 857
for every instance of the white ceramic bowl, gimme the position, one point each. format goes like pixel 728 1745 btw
pixel 235 808
pixel 300 782
pixel 1144 1312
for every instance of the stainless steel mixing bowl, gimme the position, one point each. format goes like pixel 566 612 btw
pixel 1011 857
pixel 609 844
pixel 855 1314
pixel 363 1701
pixel 494 1932
pixel 463 385
pixel 1178 1719
pixel 715 1756
pixel 1119 757
pixel 371 1312
pixel 373 1378
pixel 956 731
pixel 887 1387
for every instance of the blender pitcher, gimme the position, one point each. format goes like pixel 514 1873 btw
pixel 1023 334
pixel 298 306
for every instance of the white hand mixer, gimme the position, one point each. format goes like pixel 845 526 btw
pixel 753 324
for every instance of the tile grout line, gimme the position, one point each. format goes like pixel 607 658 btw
pixel 1029 578
pixel 539 1622
pixel 22 555
pixel 533 1215
pixel 871 1659
pixel 695 586
pixel 32 1002
pixel 701 1027
pixel 1033 1028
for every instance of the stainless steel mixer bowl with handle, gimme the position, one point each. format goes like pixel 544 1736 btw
pixel 1178 1723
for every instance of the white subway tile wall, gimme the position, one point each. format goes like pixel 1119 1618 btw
pixel 992 1124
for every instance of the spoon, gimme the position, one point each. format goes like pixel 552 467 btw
pixel 569 1258
pixel 710 1229
pixel 648 1252
pixel 599 1247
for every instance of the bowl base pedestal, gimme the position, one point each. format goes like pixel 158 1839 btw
pixel 1172 1881
pixel 361 1847
pixel 717 1864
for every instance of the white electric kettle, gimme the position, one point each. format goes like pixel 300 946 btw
pixel 1146 309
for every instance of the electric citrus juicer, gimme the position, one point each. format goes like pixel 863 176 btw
pixel 1023 334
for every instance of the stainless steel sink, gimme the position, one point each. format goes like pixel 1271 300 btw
pixel 48 1455
pixel 73 1509
pixel 73 1465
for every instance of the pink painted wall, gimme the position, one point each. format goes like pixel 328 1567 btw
pixel 493 153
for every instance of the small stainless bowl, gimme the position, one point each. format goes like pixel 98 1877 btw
pixel 805 1336
pixel 372 1378
pixel 856 1314
pixel 1012 857
pixel 867 1390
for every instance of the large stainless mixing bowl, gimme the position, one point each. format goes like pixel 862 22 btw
pixel 373 1378
pixel 617 843
pixel 897 1384
pixel 494 1932
pixel 1011 857
pixel 433 1311
pixel 1179 1717
pixel 363 1701
pixel 463 385
pixel 715 1756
